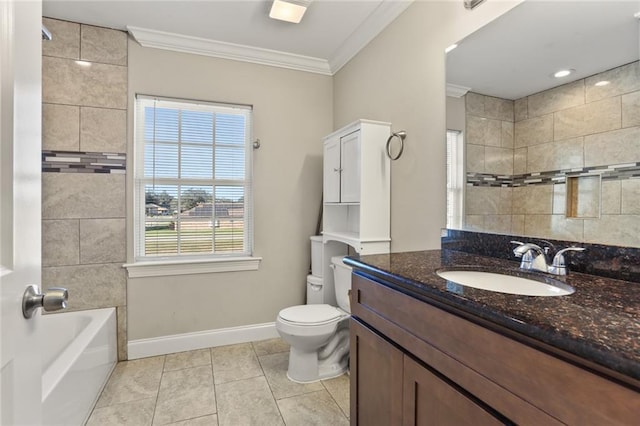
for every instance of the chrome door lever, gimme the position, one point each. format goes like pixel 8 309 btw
pixel 54 299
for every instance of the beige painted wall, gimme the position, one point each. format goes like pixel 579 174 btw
pixel 400 77
pixel 292 112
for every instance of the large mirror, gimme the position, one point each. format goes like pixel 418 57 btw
pixel 539 155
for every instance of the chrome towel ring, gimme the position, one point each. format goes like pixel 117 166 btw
pixel 401 135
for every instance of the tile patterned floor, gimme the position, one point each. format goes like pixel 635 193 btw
pixel 235 385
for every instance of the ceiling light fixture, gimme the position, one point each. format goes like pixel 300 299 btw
pixel 289 10
pixel 563 73
pixel 83 63
pixel 450 48
pixel 602 83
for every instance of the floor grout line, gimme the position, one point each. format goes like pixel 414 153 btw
pixel 266 379
pixel 155 406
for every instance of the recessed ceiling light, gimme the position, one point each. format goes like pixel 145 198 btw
pixel 289 11
pixel 563 73
pixel 602 83
pixel 450 48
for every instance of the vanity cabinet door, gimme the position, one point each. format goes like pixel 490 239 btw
pixel 376 379
pixel 429 400
pixel 332 170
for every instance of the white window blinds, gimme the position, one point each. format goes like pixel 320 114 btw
pixel 192 179
pixel 455 179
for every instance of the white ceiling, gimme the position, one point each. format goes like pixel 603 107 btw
pixel 516 55
pixel 332 31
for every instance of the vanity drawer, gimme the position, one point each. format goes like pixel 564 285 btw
pixel 524 384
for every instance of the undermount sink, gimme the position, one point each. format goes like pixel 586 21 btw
pixel 504 283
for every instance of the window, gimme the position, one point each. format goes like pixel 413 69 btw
pixel 455 179
pixel 192 178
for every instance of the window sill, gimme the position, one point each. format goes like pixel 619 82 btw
pixel 161 268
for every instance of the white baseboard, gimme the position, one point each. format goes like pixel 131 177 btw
pixel 163 345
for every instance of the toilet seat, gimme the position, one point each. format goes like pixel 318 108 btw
pixel 310 315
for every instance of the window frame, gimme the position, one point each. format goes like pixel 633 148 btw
pixel 455 178
pixel 178 264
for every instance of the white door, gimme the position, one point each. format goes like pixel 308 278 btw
pixel 350 163
pixel 332 170
pixel 20 136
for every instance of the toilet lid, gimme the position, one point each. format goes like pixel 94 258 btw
pixel 310 314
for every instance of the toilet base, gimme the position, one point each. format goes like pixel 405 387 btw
pixel 325 363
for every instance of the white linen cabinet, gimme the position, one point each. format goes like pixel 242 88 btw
pixel 357 184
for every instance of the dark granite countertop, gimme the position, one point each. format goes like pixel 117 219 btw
pixel 599 323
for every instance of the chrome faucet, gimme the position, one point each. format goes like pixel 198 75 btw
pixel 534 258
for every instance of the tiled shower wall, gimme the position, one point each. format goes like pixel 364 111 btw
pixel 575 129
pixel 84 72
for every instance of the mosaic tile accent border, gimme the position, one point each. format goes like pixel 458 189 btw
pixel 83 162
pixel 613 172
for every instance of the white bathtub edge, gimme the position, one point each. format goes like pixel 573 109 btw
pixel 163 345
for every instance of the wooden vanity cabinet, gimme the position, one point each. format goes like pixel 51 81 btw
pixel 413 363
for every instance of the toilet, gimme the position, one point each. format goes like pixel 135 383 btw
pixel 319 333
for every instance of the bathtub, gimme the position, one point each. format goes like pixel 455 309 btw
pixel 78 353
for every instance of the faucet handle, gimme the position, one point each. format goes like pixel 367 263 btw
pixel 559 266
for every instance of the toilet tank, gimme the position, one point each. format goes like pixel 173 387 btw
pixel 342 280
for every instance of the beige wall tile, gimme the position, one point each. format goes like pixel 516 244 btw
pixel 631 109
pixel 475 158
pixel 556 99
pixel 98 85
pixel 506 201
pixel 631 196
pixel 482 200
pixel 595 117
pixel 103 130
pixel 498 160
pixel 498 109
pixel 507 134
pixel 517 224
pixel 521 109
pixel 620 230
pixel 623 79
pixel 559 199
pixel 60 127
pixel 499 224
pixel 520 161
pixel 103 45
pixel 534 131
pixel 60 242
pixel 121 316
pixel 545 225
pixel 83 195
pixel 558 155
pixel 474 222
pixel 611 197
pixel 484 131
pixel 90 286
pixel 533 199
pixel 66 39
pixel 474 104
pixel 102 241
pixel 616 147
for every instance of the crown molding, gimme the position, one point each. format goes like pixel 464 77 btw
pixel 385 13
pixel 456 91
pixel 224 50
